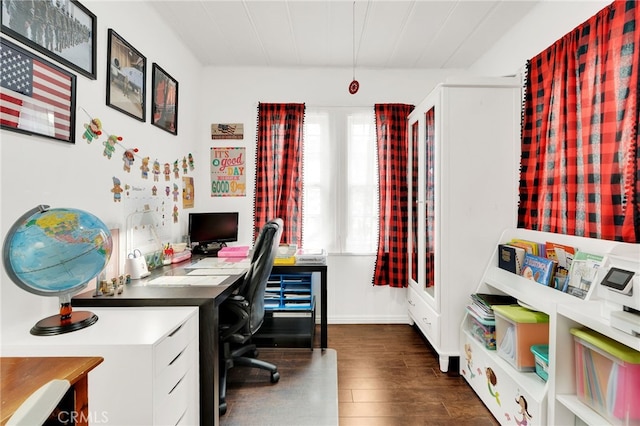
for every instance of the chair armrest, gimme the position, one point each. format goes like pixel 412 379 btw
pixel 234 316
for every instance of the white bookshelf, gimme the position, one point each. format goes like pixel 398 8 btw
pixel 553 402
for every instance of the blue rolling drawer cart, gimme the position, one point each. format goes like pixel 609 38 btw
pixel 289 311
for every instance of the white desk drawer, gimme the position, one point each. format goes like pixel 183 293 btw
pixel 125 387
pixel 171 346
pixel 172 374
pixel 171 407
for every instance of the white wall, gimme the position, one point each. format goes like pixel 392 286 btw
pixel 35 170
pixel 40 171
pixel 232 95
pixel 544 25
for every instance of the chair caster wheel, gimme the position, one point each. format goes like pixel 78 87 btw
pixel 254 353
pixel 275 377
pixel 223 408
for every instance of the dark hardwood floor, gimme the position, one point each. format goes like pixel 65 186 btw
pixel 389 375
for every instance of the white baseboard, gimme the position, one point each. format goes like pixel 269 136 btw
pixel 395 319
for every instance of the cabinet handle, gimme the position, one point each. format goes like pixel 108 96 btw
pixel 426 321
pixel 181 417
pixel 179 381
pixel 177 356
pixel 411 302
pixel 176 330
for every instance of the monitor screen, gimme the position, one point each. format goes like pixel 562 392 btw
pixel 206 228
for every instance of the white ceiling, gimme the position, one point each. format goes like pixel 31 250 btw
pixel 320 33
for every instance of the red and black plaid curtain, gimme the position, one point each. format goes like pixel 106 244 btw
pixel 392 138
pixel 278 190
pixel 580 160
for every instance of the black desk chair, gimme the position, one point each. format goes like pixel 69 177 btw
pixel 242 314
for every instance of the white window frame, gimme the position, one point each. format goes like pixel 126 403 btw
pixel 334 213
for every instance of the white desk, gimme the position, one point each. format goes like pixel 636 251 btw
pixel 150 369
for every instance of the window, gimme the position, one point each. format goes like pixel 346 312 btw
pixel 340 180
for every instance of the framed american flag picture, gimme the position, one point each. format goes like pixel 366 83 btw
pixel 36 96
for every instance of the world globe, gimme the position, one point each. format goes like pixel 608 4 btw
pixel 57 252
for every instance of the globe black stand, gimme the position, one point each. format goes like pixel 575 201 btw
pixel 66 322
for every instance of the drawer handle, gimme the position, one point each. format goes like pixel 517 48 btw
pixel 181 417
pixel 426 321
pixel 176 385
pixel 411 302
pixel 176 330
pixel 177 356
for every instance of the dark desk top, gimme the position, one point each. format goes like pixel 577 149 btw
pixel 139 294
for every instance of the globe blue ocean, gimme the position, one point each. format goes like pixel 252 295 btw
pixel 56 251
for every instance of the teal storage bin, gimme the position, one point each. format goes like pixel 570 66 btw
pixel 541 356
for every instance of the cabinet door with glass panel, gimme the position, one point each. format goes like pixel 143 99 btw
pixel 413 202
pixel 422 196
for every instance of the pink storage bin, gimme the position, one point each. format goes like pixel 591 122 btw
pixel 235 252
pixel 607 377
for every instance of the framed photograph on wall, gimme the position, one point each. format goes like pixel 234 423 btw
pixel 36 96
pixel 164 100
pixel 65 31
pixel 126 77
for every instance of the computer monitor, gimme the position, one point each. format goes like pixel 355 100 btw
pixel 208 232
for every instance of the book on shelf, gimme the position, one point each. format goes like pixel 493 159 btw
pixel 582 273
pixel 482 304
pixel 488 300
pixel 538 269
pixel 562 254
pixel 530 247
pixel 477 312
pixel 510 258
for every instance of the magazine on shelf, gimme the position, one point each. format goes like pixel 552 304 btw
pixel 584 269
pixel 538 269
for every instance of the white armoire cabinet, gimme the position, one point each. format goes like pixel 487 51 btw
pixel 464 154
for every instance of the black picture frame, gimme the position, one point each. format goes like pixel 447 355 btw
pixel 38 97
pixel 164 100
pixel 41 24
pixel 126 77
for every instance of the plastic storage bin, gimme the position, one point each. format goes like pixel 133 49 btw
pixel 607 377
pixel 483 330
pixel 517 329
pixel 541 357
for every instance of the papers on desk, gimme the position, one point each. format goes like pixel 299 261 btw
pixel 219 271
pixel 219 263
pixel 186 280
